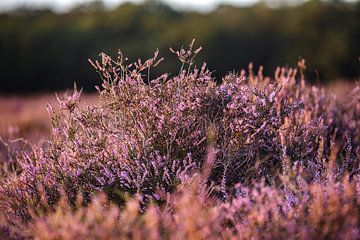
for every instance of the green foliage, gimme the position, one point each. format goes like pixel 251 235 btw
pixel 42 50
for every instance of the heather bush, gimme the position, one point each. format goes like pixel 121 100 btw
pixel 309 211
pixel 271 158
pixel 9 152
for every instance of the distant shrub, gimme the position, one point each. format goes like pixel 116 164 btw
pixel 147 136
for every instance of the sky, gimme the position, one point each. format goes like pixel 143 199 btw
pixel 64 5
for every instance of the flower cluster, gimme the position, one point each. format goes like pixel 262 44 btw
pixel 270 157
pixel 305 211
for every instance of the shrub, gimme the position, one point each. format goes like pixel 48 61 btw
pixel 310 211
pixel 146 136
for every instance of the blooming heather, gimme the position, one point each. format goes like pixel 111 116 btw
pixel 256 158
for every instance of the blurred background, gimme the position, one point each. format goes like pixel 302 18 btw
pixel 45 44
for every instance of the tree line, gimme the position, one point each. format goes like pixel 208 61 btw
pixel 41 50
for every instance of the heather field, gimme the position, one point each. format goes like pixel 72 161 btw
pixel 183 156
pixel 27 117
